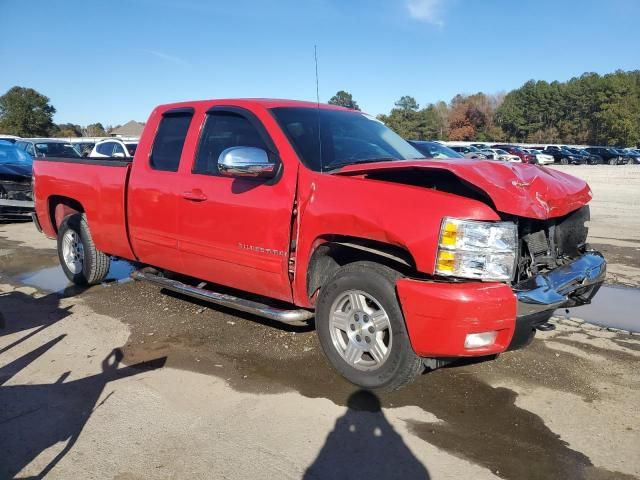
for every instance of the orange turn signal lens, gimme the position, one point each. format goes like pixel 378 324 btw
pixel 446 261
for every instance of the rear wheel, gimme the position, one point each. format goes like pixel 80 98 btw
pixel 361 328
pixel 613 161
pixel 564 161
pixel 81 262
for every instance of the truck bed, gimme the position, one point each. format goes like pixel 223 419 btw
pixel 98 185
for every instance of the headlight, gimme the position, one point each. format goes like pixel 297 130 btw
pixel 478 250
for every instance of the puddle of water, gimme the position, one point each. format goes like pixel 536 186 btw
pixel 616 307
pixel 50 279
pixel 53 279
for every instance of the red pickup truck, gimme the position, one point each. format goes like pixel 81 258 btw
pixel 293 210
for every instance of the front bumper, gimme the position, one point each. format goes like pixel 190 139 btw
pixel 440 315
pixel 15 207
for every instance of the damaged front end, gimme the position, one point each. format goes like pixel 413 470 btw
pixel 16 192
pixel 556 269
pixel 16 196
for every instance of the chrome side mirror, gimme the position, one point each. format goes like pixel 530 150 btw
pixel 246 162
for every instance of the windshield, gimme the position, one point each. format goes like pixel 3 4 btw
pixel 131 148
pixel 345 137
pixel 83 148
pixel 56 150
pixel 10 154
pixel 435 150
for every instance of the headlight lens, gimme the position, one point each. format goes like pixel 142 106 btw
pixel 478 250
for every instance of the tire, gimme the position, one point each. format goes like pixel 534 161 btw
pixel 613 161
pixel 81 262
pixel 564 161
pixel 372 286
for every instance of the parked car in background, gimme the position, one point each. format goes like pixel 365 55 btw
pixel 627 158
pixel 517 151
pixel 542 158
pixel 16 197
pixel 114 148
pixel 468 151
pixel 499 154
pixel 480 146
pixel 607 155
pixel 589 158
pixel 563 156
pixel 83 147
pixel 434 149
pixel 47 147
pixel 634 153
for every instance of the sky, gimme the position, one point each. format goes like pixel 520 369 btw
pixel 113 61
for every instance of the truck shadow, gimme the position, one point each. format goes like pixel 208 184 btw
pixel 35 417
pixel 364 445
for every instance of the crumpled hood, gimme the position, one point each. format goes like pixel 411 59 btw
pixel 16 169
pixel 518 189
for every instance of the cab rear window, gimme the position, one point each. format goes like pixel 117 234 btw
pixel 169 141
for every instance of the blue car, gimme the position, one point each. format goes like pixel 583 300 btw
pixel 16 168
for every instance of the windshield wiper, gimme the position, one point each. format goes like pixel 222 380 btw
pixel 335 166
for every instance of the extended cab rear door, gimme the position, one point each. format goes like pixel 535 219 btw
pixel 154 190
pixel 236 231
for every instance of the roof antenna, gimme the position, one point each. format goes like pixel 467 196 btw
pixel 315 54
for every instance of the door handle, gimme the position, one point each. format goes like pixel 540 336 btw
pixel 194 195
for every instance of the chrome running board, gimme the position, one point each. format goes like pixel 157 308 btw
pixel 290 317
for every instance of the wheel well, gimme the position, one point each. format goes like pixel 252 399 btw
pixel 336 252
pixel 60 208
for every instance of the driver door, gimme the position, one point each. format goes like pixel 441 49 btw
pixel 236 231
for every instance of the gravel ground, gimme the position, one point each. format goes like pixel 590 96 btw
pixel 615 217
pixel 124 381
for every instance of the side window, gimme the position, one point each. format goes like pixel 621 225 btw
pixel 167 146
pixel 29 149
pixel 224 130
pixel 105 148
pixel 117 148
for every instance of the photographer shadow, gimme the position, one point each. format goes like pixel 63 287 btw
pixel 36 417
pixel 364 445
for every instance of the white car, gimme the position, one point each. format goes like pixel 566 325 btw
pixel 114 148
pixel 543 158
pixel 502 155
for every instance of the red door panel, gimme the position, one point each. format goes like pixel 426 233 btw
pixel 239 239
pixel 154 189
pixel 235 231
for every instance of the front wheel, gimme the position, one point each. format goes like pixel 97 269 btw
pixel 564 161
pixel 361 328
pixel 81 262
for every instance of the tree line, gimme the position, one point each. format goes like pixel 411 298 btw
pixel 591 109
pixel 24 112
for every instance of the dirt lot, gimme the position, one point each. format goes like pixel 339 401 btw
pixel 123 381
pixel 615 217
